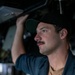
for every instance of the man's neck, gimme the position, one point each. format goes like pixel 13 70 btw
pixel 57 60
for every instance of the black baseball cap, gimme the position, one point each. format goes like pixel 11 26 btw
pixel 53 18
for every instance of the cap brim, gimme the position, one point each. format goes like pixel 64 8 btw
pixel 31 25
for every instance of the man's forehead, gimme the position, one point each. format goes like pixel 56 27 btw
pixel 42 25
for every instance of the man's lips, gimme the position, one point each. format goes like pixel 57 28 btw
pixel 40 43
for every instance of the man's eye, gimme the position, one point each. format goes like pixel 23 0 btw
pixel 44 30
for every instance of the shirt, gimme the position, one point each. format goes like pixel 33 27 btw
pixel 39 65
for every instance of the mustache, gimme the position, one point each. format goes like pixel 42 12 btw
pixel 40 42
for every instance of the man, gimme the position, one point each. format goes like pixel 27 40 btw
pixel 52 37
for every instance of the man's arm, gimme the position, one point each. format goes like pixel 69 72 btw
pixel 17 47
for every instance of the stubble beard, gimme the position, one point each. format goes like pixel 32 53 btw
pixel 46 51
pixel 49 51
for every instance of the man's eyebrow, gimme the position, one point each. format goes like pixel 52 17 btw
pixel 43 28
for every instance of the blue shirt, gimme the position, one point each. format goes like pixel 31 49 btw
pixel 39 65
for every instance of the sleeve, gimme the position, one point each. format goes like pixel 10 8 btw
pixel 28 63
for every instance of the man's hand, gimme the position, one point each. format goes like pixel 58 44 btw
pixel 20 21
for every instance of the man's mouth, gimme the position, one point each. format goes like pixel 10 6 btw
pixel 40 43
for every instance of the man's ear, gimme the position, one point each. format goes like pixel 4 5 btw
pixel 63 33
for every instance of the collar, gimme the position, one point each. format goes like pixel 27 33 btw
pixel 69 66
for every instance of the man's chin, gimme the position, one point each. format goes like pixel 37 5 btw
pixel 45 52
pixel 42 52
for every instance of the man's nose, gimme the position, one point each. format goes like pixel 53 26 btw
pixel 37 37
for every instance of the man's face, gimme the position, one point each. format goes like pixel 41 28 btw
pixel 48 40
